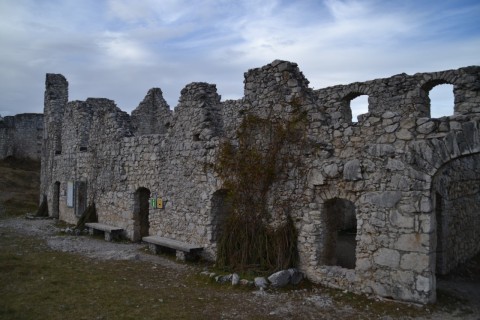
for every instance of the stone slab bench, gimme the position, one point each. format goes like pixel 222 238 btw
pixel 110 232
pixel 184 251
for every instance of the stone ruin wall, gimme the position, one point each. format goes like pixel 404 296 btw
pixel 21 136
pixel 402 174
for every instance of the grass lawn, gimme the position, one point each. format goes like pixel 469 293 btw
pixel 19 186
pixel 37 283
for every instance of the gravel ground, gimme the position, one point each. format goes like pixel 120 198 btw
pixel 313 303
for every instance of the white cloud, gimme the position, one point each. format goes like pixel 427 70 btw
pixel 120 48
pixel 147 11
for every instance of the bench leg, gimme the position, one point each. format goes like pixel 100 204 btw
pixel 154 248
pixel 113 235
pixel 186 256
pixel 93 231
pixel 181 255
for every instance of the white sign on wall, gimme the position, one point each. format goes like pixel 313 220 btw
pixel 70 194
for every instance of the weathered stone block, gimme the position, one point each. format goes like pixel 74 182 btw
pixel 279 279
pixel 404 134
pixel 414 242
pixel 385 199
pixel 352 170
pixel 387 257
pixel 260 282
pixel 331 170
pixel 414 261
pixel 316 178
pixel 424 284
pixel 401 221
pixel 427 127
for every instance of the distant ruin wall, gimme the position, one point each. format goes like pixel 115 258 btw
pixel 397 174
pixel 21 136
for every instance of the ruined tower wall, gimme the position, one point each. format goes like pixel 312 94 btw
pixel 55 101
pixel 383 168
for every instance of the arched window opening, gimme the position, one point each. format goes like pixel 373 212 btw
pixel 354 104
pixel 340 233
pixel 221 209
pixel 359 105
pixel 441 100
pixel 141 210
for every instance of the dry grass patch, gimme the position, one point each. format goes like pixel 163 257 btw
pixel 19 185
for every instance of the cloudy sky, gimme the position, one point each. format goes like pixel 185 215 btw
pixel 118 49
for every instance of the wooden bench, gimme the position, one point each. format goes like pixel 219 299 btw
pixel 184 251
pixel 111 233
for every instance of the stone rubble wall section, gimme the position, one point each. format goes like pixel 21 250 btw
pixel 21 136
pixel 153 115
pixel 390 165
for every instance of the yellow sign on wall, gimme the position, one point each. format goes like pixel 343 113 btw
pixel 156 203
pixel 159 203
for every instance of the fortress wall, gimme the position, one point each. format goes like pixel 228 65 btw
pixel 378 173
pixel 21 136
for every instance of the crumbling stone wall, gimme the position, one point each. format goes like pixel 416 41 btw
pixel 21 136
pixel 396 174
pixel 153 115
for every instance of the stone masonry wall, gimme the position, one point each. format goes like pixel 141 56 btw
pixel 21 136
pixel 397 174
pixel 153 115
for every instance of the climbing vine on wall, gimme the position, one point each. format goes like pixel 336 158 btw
pixel 250 169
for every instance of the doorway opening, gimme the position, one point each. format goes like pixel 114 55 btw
pixel 340 233
pixel 56 200
pixel 140 214
pixel 80 202
pixel 221 209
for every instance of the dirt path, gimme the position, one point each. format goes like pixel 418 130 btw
pixel 461 295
